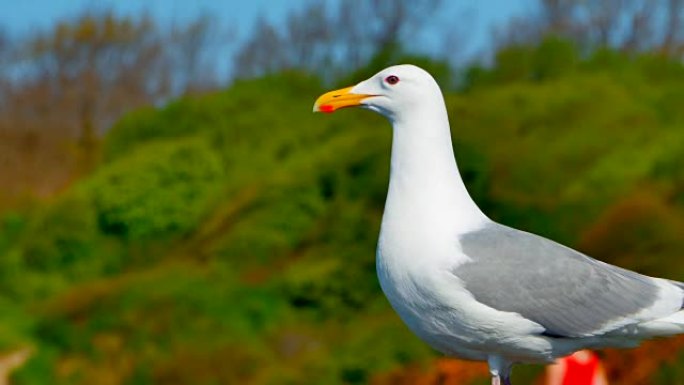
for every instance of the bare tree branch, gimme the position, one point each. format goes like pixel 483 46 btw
pixel 326 42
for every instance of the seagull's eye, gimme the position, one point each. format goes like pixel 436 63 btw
pixel 392 80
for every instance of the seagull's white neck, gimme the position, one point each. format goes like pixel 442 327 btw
pixel 426 189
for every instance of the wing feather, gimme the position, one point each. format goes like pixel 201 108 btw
pixel 568 293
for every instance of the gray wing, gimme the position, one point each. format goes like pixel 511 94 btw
pixel 568 293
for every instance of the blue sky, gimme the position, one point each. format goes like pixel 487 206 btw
pixel 472 20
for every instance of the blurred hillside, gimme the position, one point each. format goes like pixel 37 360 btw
pixel 227 236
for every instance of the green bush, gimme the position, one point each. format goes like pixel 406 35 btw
pixel 160 190
pixel 65 234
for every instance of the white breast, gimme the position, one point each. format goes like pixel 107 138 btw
pixel 414 270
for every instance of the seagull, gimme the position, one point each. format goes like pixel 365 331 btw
pixel 476 289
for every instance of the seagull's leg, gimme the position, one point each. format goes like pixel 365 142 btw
pixel 500 369
pixel 496 380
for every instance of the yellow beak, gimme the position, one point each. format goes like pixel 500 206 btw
pixel 333 100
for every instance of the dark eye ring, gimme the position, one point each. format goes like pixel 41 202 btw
pixel 392 80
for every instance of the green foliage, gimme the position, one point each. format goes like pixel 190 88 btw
pixel 15 325
pixel 68 233
pixel 670 373
pixel 229 237
pixel 638 226
pixel 552 58
pixel 238 116
pixel 39 369
pixel 161 190
pixel 12 225
pixel 514 64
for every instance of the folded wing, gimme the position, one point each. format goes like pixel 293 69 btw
pixel 568 293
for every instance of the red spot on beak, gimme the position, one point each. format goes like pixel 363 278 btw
pixel 327 108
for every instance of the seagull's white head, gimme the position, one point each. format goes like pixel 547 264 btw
pixel 392 92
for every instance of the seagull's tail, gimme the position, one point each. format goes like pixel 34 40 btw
pixel 669 325
pixel 679 285
pixel 662 327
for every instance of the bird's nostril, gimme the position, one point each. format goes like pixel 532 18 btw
pixel 336 96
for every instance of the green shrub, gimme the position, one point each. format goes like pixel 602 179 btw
pixel 65 234
pixel 160 190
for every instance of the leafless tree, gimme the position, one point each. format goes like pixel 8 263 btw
pixel 262 53
pixel 191 50
pixel 5 52
pixel 324 42
pixel 673 39
pixel 629 25
pixel 61 88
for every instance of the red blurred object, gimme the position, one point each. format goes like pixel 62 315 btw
pixel 580 371
pixel 581 368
